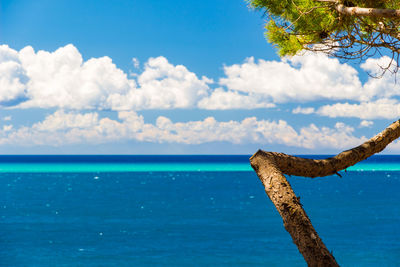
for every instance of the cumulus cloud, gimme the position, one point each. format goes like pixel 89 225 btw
pixel 62 121
pixel 7 128
pixel 380 97
pixel 365 123
pixel 61 128
pixel 393 147
pixel 222 99
pixel 163 86
pixel 383 87
pixel 341 136
pixel 13 78
pixel 62 79
pixel 136 63
pixel 299 79
pixel 300 110
pixel 379 109
pixel 312 77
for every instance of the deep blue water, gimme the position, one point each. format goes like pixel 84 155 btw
pixel 129 211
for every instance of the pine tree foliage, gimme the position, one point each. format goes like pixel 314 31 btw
pixel 345 29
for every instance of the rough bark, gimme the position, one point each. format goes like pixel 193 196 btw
pixel 369 12
pixel 362 11
pixel 271 166
pixel 294 217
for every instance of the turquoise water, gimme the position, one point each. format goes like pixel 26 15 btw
pixel 121 167
pixel 54 167
pixel 186 211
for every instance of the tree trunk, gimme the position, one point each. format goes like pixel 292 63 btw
pixel 271 166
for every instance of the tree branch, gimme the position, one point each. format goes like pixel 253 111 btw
pixel 295 219
pixel 271 166
pixel 363 11
pixel 292 165
pixel 369 12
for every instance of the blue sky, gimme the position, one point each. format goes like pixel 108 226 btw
pixel 174 77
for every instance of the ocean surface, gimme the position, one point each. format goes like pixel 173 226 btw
pixel 187 211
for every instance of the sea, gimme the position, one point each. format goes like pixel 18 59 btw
pixel 187 211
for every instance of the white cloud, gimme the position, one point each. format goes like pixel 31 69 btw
pixel 221 99
pixel 61 128
pixel 341 136
pixel 384 87
pixel 7 128
pixel 61 121
pixel 393 147
pixel 12 76
pixel 62 79
pixel 136 63
pixel 313 77
pixel 374 66
pixel 299 79
pixel 163 86
pixel 365 123
pixel 300 110
pixel 379 101
pixel 379 109
pixel 7 118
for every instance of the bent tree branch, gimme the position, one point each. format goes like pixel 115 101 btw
pixel 271 167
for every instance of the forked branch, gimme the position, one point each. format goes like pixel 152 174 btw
pixel 270 168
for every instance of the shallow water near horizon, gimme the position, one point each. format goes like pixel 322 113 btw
pixel 187 211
